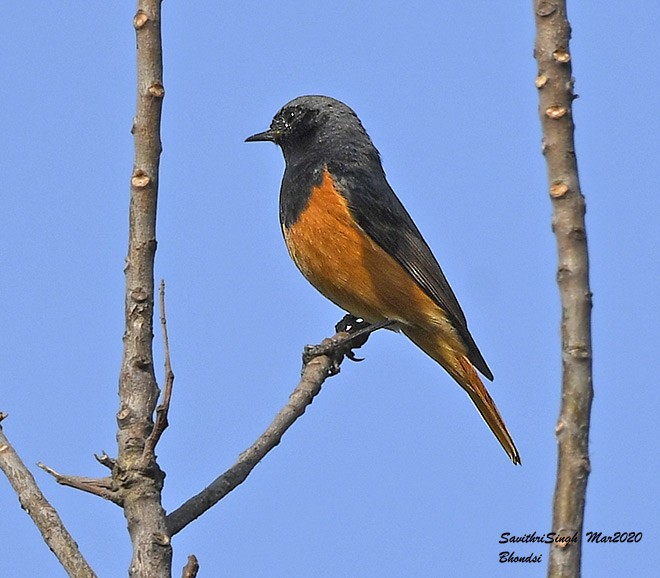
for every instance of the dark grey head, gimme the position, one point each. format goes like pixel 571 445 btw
pixel 319 121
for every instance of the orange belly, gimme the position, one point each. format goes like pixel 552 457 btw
pixel 350 269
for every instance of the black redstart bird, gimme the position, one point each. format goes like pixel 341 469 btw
pixel 352 239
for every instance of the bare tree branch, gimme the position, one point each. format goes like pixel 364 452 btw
pixel 555 84
pixel 319 363
pixel 140 481
pixel 42 513
pixel 101 487
pixel 105 460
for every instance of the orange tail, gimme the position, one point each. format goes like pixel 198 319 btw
pixel 460 368
pixel 472 384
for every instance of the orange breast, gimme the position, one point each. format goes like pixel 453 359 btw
pixel 348 267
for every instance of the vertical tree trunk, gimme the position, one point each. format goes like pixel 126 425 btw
pixel 555 84
pixel 136 474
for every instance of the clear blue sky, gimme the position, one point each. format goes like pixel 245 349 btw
pixel 391 472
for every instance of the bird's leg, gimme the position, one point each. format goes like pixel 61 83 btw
pixel 358 331
pixel 352 333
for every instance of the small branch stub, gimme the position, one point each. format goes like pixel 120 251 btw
pixel 191 568
pixel 558 190
pixel 140 180
pixel 157 90
pixel 545 8
pixel 556 111
pixel 105 460
pixel 140 19
pixel 541 81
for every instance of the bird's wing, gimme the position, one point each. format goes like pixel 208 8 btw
pixel 380 213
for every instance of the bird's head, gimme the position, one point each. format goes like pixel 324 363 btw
pixel 310 120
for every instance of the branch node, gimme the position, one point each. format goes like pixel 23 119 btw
pixel 105 460
pixel 558 190
pixel 546 8
pixel 140 179
pixel 157 90
pixel 556 111
pixel 191 568
pixel 162 539
pixel 562 55
pixel 140 19
pixel 541 81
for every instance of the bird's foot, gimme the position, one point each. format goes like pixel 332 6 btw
pixel 352 333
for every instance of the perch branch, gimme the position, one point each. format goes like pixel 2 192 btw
pixel 555 85
pixel 319 363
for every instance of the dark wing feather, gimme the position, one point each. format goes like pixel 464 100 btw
pixel 380 213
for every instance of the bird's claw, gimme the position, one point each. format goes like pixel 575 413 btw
pixel 352 357
pixel 357 332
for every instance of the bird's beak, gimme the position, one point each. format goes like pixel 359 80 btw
pixel 267 135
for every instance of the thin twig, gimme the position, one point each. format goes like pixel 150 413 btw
pixel 555 84
pixel 163 409
pixel 44 516
pixel 101 487
pixel 320 362
pixel 105 460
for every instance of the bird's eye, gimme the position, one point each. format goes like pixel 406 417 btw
pixel 289 118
